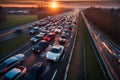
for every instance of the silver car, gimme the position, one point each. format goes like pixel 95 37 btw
pixel 55 53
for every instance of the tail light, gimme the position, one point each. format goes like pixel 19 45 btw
pixel 5 70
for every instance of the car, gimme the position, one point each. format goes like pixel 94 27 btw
pixel 20 57
pixel 62 39
pixel 58 29
pixel 15 73
pixel 40 46
pixel 118 58
pixel 36 38
pixel 8 64
pixel 43 32
pixel 36 71
pixel 51 30
pixel 55 53
pixel 66 32
pixel 49 37
pixel 34 30
pixel 70 27
pixel 18 30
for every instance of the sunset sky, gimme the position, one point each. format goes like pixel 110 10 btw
pixel 85 0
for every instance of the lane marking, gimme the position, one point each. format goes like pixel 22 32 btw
pixel 68 44
pixel 63 56
pixel 27 50
pixel 54 74
pixel 71 36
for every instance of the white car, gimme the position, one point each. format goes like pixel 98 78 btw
pixel 55 53
pixel 58 29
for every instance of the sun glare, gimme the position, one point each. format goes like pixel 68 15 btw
pixel 54 5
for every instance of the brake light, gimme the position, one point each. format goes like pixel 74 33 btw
pixel 5 70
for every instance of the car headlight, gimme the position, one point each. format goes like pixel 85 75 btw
pixel 118 60
pixel 33 49
pixel 35 40
pixel 38 50
pixel 55 58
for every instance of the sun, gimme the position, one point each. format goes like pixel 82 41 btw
pixel 54 4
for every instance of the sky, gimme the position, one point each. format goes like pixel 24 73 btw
pixel 85 0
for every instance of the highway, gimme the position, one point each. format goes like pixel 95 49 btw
pixel 107 49
pixel 53 70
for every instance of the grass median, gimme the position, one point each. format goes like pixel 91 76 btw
pixel 76 71
pixel 14 20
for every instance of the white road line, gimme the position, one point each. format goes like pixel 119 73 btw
pixel 54 74
pixel 71 36
pixel 27 50
pixel 63 56
pixel 68 44
pixel 68 65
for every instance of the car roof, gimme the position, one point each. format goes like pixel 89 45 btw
pixel 19 55
pixel 12 73
pixel 57 46
pixel 10 60
pixel 43 41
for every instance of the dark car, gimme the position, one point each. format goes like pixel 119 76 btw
pixel 49 37
pixel 18 30
pixel 62 39
pixel 40 46
pixel 35 71
pixel 8 64
pixel 66 32
pixel 70 27
pixel 34 30
pixel 36 38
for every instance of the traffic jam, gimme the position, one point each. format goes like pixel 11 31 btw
pixel 52 41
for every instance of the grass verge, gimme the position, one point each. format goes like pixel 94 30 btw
pixel 14 20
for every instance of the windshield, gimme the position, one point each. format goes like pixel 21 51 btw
pixel 41 44
pixel 54 50
pixel 63 37
pixel 37 37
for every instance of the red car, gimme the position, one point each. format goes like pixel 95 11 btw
pixel 49 37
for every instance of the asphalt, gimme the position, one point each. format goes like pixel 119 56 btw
pixel 107 50
pixel 53 70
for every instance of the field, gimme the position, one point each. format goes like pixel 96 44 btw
pixel 14 20
pixel 106 20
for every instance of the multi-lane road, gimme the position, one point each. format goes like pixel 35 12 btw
pixel 57 70
pixel 53 71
